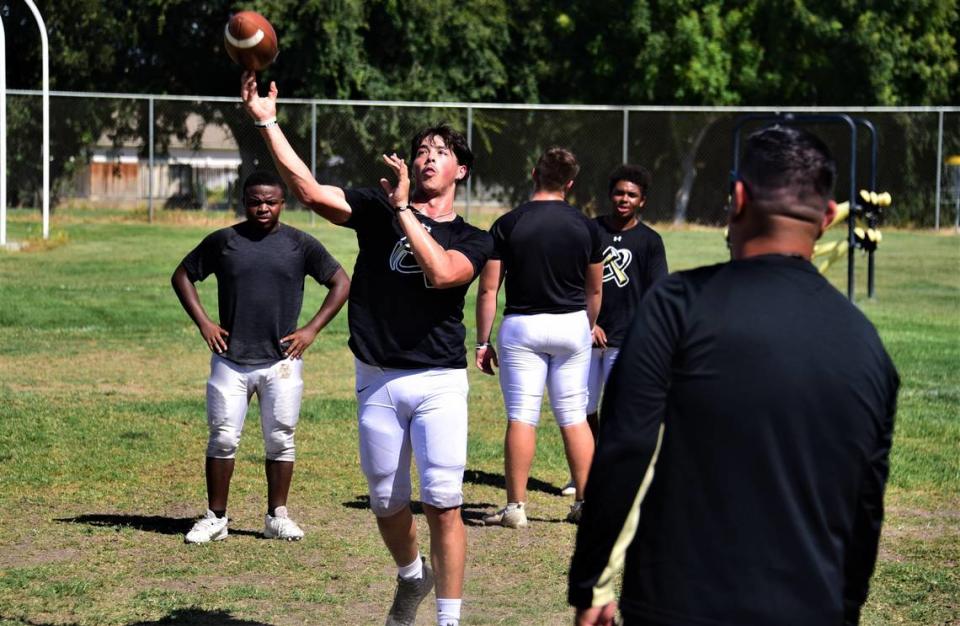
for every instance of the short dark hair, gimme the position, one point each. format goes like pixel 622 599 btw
pixel 785 158
pixel 636 174
pixel 452 139
pixel 264 177
pixel 555 168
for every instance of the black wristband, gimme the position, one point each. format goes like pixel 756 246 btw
pixel 398 209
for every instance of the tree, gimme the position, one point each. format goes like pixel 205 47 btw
pixel 713 52
pixel 329 49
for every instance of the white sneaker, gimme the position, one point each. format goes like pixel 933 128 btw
pixel 576 512
pixel 279 526
pixel 208 528
pixel 512 516
pixel 569 489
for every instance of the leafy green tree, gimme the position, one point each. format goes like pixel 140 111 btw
pixel 713 52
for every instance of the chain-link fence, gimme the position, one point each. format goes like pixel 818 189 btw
pixel 167 152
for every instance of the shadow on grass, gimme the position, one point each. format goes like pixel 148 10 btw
pixel 183 617
pixel 479 477
pixel 200 617
pixel 147 523
pixel 471 512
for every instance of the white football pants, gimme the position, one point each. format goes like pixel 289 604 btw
pixel 279 387
pixel 545 348
pixel 601 362
pixel 423 412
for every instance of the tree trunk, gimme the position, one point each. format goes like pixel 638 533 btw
pixel 688 165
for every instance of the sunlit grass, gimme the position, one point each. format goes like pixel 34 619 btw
pixel 102 436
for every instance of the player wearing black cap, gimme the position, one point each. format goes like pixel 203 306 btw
pixel 746 428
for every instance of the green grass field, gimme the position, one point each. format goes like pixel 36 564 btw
pixel 102 438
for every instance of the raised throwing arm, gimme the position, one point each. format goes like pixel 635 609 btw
pixel 326 200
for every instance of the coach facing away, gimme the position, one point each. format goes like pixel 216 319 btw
pixel 744 448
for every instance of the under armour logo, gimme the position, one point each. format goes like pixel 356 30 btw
pixel 615 263
pixel 618 237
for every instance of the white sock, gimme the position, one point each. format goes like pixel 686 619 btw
pixel 448 611
pixel 413 570
pixel 514 505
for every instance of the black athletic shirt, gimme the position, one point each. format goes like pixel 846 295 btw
pixel 397 320
pixel 777 400
pixel 545 247
pixel 632 261
pixel 259 284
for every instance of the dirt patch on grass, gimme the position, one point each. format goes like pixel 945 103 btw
pixel 905 525
pixel 25 554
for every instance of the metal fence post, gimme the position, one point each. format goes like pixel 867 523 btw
pixel 936 213
pixel 313 150
pixel 470 144
pixel 150 170
pixel 626 135
pixel 3 136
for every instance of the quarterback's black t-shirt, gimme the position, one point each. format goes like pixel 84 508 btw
pixel 545 247
pixel 259 284
pixel 633 260
pixel 777 401
pixel 397 319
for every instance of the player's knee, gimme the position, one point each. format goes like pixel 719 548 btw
pixel 388 504
pixel 570 409
pixel 443 520
pixel 442 487
pixel 442 497
pixel 223 442
pixel 528 417
pixel 279 445
pixel 389 492
pixel 566 419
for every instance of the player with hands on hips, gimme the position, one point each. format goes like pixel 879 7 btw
pixel 256 347
pixel 415 262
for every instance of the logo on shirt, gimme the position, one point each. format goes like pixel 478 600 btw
pixel 615 264
pixel 402 260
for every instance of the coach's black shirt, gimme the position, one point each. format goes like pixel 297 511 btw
pixel 545 247
pixel 777 402
pixel 259 284
pixel 632 261
pixel 397 319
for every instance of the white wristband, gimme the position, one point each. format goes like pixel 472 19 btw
pixel 265 123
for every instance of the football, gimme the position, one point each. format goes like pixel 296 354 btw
pixel 250 40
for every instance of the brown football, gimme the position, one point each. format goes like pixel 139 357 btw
pixel 250 40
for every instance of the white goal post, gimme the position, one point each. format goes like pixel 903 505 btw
pixel 46 126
